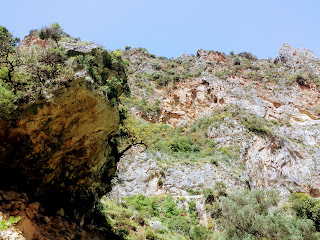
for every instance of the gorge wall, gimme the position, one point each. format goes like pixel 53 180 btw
pixel 287 158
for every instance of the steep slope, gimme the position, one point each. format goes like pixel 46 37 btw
pixel 265 112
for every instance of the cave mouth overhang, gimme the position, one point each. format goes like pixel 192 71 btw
pixel 62 152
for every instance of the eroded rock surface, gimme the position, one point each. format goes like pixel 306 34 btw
pixel 139 173
pixel 60 151
pixel 298 57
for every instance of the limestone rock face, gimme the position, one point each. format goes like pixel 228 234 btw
pixel 78 47
pixel 139 173
pixel 297 57
pixel 278 164
pixel 60 151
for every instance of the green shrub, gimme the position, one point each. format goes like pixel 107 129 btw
pixel 248 56
pixel 304 78
pixel 170 206
pixel 255 76
pixel 306 207
pixel 220 75
pixel 215 161
pixel 9 60
pixel 199 233
pixel 208 195
pixel 122 232
pixel 156 66
pixel 256 124
pixel 150 235
pixel 181 144
pixel 220 189
pixel 192 208
pixel 247 215
pixel 160 182
pixel 237 61
pixel 6 100
pixel 161 79
pixel 179 224
pixel 5 224
pixel 202 124
pixel 162 173
pixel 144 203
pixel 4 74
pixel 191 191
pixel 54 32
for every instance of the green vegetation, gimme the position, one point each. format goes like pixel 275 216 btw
pixel 107 70
pixel 6 100
pixel 5 224
pixel 36 71
pixel 305 79
pixel 193 144
pixel 177 144
pixel 248 56
pixel 306 208
pixel 244 214
pixel 44 65
pixel 131 219
pixel 252 122
pixel 8 58
pixel 142 105
pixel 248 215
pixel 54 32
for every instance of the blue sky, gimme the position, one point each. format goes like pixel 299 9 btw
pixel 171 28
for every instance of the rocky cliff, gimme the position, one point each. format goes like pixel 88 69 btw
pixel 58 150
pixel 200 120
pixel 284 156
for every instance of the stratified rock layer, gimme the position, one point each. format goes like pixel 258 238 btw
pixel 60 151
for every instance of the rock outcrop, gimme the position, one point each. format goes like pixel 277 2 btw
pixel 79 47
pixel 298 57
pixel 60 151
pixel 33 40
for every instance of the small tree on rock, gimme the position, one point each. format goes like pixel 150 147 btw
pixel 54 32
pixel 8 58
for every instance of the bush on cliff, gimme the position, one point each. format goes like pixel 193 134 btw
pixel 37 70
pixel 6 100
pixel 256 215
pixel 54 32
pixel 8 57
pixel 306 207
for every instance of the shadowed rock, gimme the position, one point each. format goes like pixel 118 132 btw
pixel 60 151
